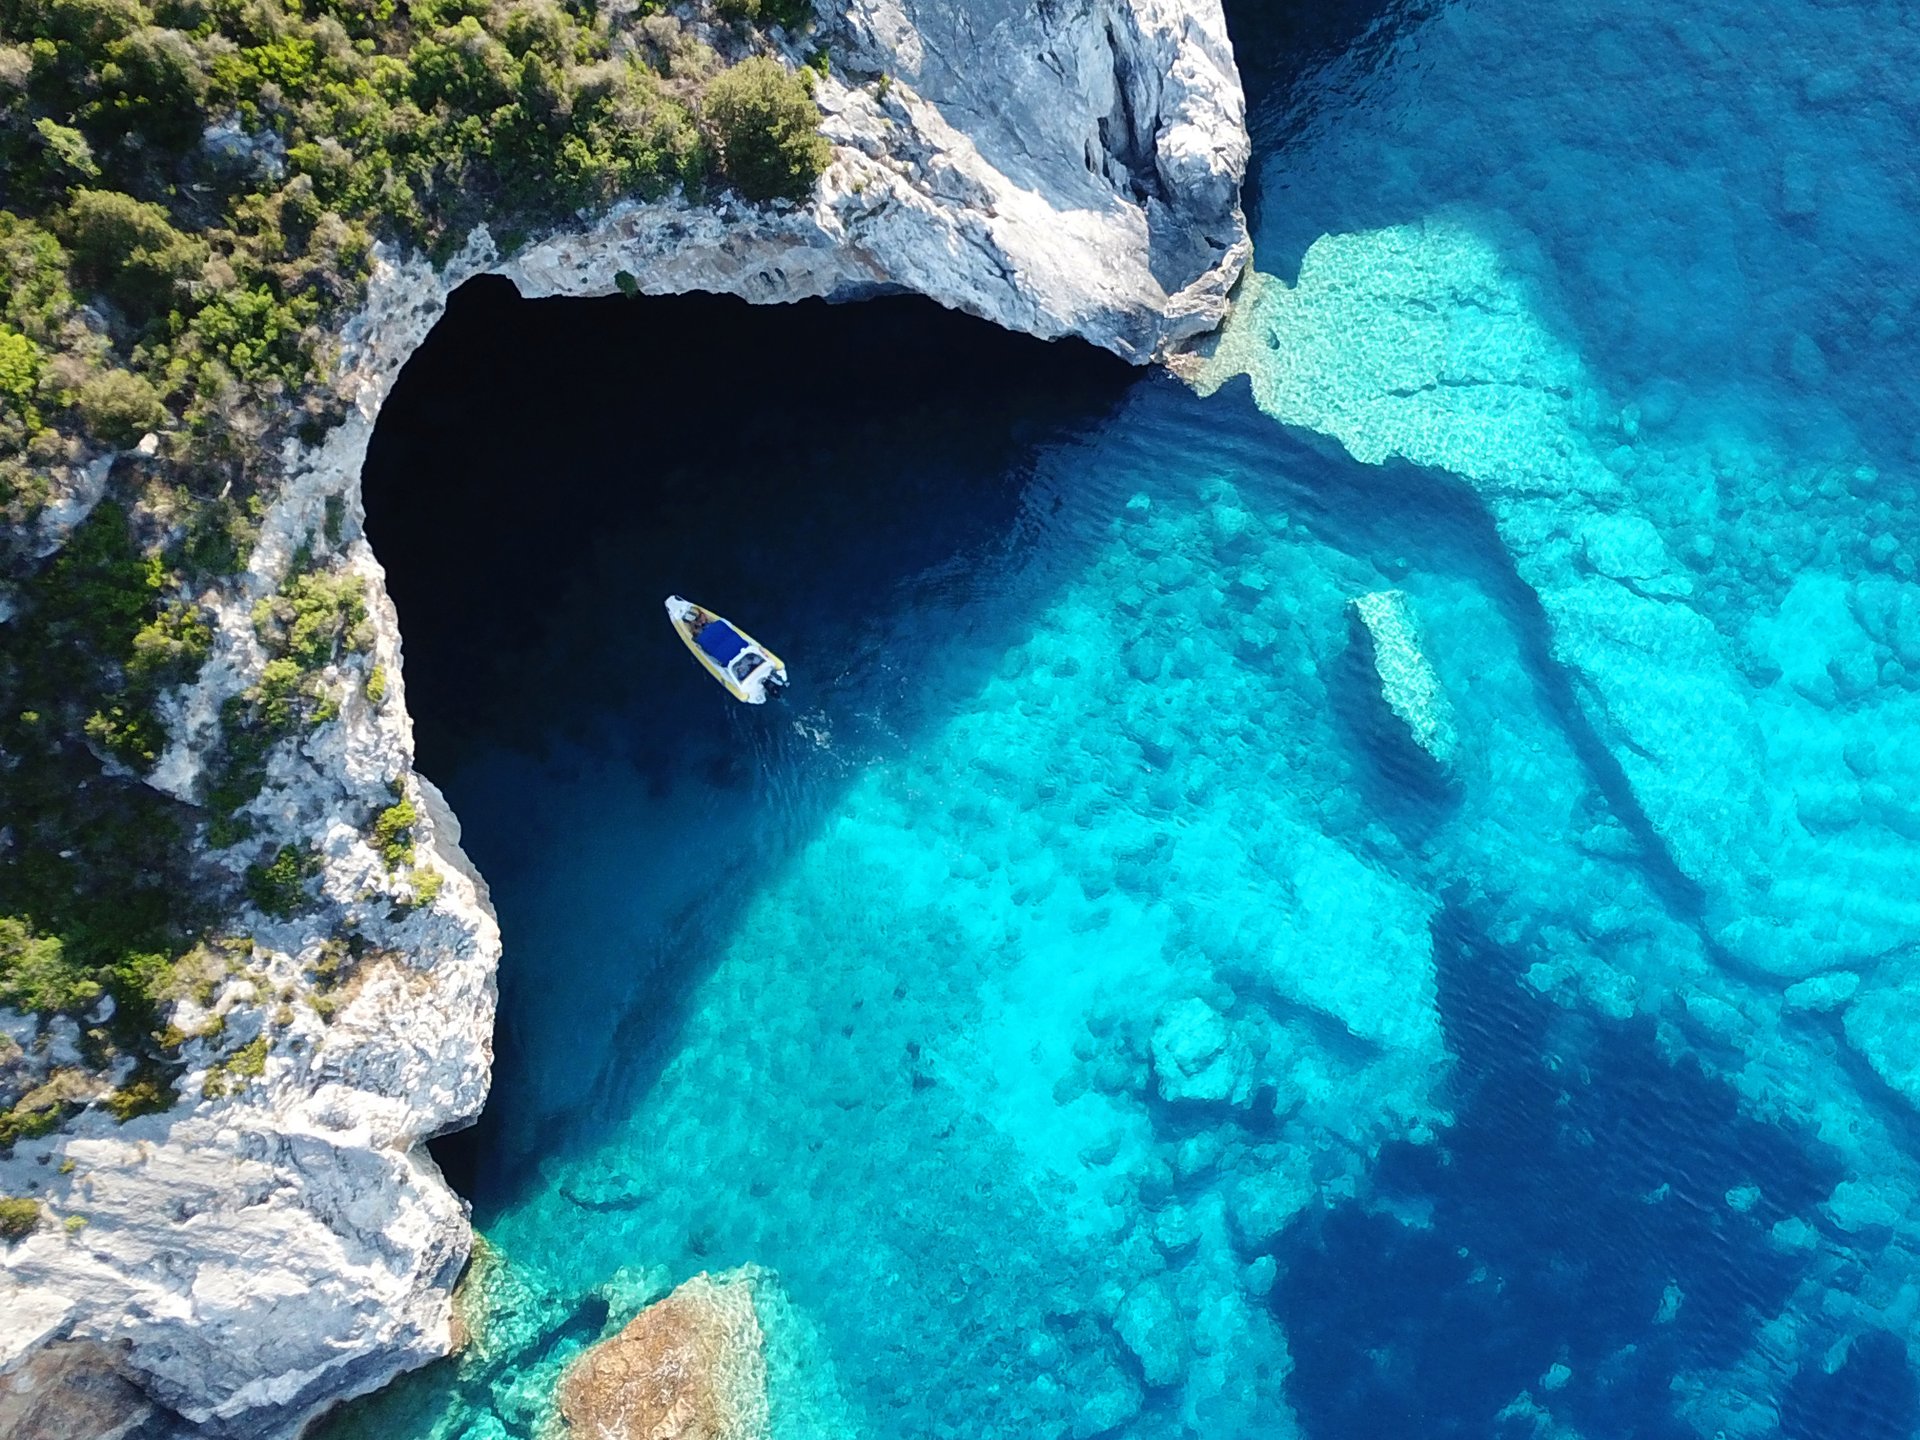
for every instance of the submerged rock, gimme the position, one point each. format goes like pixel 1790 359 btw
pixel 1707 623
pixel 1197 1057
pixel 1150 1324
pixel 1407 681
pixel 722 1357
pixel 1823 992
pixel 689 1367
pixel 1357 946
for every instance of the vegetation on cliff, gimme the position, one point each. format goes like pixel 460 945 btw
pixel 190 192
pixel 18 1218
pixel 193 188
pixel 765 123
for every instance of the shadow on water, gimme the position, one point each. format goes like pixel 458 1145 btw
pixel 1731 244
pixel 1579 1218
pixel 1412 518
pixel 1871 1395
pixel 545 472
pixel 1303 60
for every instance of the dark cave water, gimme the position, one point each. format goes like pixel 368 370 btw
pixel 1080 991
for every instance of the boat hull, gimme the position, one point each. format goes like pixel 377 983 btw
pixel 687 619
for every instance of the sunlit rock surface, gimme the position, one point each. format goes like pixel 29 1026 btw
pixel 254 1255
pixel 1060 170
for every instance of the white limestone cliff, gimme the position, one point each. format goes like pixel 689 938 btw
pixel 1070 167
pixel 1059 170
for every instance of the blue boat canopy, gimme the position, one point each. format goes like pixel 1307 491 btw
pixel 720 640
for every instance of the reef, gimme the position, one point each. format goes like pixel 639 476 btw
pixel 276 1239
pixel 1728 672
pixel 689 1367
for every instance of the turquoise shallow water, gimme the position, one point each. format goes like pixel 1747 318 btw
pixel 1084 993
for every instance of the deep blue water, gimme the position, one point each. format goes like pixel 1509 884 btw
pixel 1083 991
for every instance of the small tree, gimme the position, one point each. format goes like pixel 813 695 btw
pixel 130 249
pixel 37 977
pixel 20 362
pixel 120 406
pixel 767 129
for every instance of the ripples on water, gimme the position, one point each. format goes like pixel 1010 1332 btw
pixel 1081 990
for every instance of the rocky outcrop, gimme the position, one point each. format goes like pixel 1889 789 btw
pixel 255 1255
pixel 75 1388
pixel 279 1240
pixel 1060 170
pixel 724 1356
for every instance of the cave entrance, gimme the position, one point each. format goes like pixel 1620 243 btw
pixel 542 476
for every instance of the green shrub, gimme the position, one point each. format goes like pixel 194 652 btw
pixel 393 833
pixel 330 965
pixel 18 1218
pixel 312 622
pixel 314 619
pixel 34 293
pixel 149 1091
pixel 37 976
pixel 129 249
pixel 21 362
pixel 280 886
pixel 256 335
pixel 32 1118
pixel 169 649
pixel 427 885
pixel 68 148
pixel 111 640
pixel 220 537
pixel 768 130
pixel 792 14
pixel 120 407
pixel 230 1076
pixel 91 24
pixel 101 588
pixel 249 1062
pixel 153 85
pixel 131 734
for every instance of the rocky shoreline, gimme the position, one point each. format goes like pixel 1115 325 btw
pixel 279 1240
